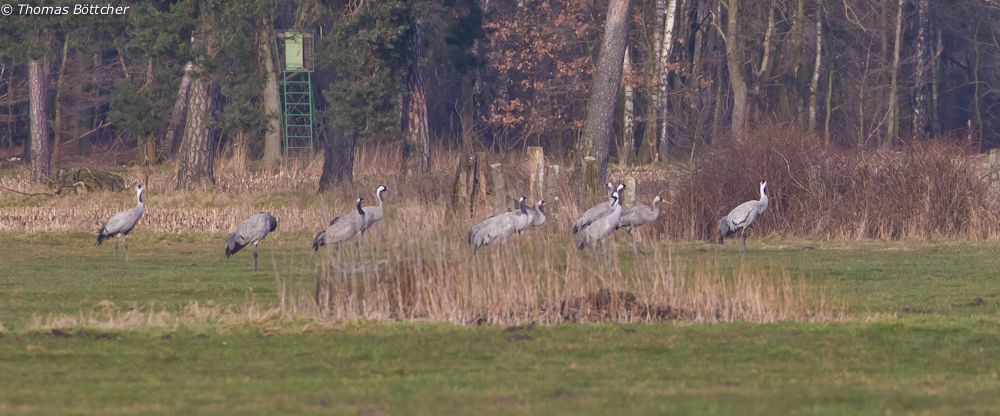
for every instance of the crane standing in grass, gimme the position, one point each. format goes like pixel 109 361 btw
pixel 122 223
pixel 537 215
pixel 601 225
pixel 342 228
pixel 251 231
pixel 373 213
pixel 590 214
pixel 742 216
pixel 638 215
pixel 499 227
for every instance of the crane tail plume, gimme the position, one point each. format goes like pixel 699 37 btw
pixel 232 245
pixel 320 240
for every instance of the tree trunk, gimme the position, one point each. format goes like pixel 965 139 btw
pixel 814 84
pixel 798 40
pixel 649 151
pixel 58 123
pixel 197 148
pixel 38 90
pixel 597 127
pixel 628 119
pixel 890 130
pixel 338 165
pixel 272 102
pixel 176 125
pixel 936 82
pixel 416 146
pixel 664 72
pixel 921 122
pixel 734 61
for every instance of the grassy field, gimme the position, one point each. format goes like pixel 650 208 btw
pixel 909 341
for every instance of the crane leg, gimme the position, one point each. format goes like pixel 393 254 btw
pixel 743 240
pixel 254 256
pixel 117 239
pixel 126 247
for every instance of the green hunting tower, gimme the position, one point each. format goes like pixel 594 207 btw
pixel 296 81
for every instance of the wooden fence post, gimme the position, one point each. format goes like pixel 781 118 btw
pixel 478 184
pixel 552 189
pixel 536 173
pixel 592 174
pixel 499 188
pixel 459 201
pixel 629 198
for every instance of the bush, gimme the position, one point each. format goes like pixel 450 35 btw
pixel 926 189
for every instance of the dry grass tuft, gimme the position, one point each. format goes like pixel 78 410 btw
pixel 439 279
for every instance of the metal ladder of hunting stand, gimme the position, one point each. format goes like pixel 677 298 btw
pixel 296 80
pixel 298 119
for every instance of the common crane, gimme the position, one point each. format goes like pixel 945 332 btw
pixel 499 227
pixel 602 225
pixel 538 214
pixel 251 231
pixel 373 213
pixel 341 228
pixel 742 216
pixel 122 223
pixel 638 215
pixel 592 213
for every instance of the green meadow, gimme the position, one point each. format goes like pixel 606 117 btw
pixel 912 338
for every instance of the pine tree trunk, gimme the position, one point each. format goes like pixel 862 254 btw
pixel 597 127
pixel 176 125
pixel 272 102
pixel 38 91
pixel 416 146
pixel 338 165
pixel 196 152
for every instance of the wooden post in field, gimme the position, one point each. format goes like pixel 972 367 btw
pixel 552 189
pixel 479 185
pixel 592 174
pixel 629 198
pixel 994 175
pixel 459 201
pixel 499 188
pixel 323 285
pixel 536 173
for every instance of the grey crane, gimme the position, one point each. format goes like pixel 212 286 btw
pixel 341 228
pixel 538 214
pixel 373 213
pixel 122 223
pixel 251 231
pixel 602 225
pixel 591 213
pixel 499 227
pixel 638 215
pixel 742 216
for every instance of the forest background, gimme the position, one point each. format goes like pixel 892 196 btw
pixel 761 88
